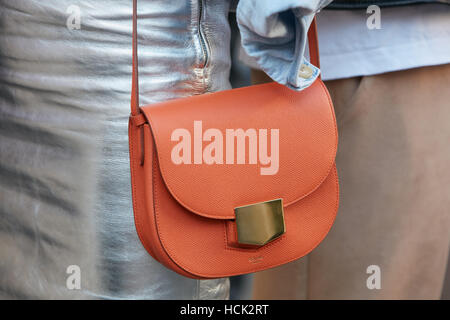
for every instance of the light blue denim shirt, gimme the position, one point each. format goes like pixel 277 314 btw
pixel 274 33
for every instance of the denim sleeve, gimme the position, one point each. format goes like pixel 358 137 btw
pixel 274 34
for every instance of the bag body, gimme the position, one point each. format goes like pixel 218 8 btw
pixel 236 181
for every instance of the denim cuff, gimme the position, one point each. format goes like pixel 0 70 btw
pixel 274 34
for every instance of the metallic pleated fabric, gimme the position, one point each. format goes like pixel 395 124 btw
pixel 65 195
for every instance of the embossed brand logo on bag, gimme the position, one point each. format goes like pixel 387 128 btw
pixel 236 146
pixel 255 260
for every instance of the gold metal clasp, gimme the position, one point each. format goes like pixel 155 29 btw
pixel 260 223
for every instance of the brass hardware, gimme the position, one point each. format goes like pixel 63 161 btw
pixel 260 223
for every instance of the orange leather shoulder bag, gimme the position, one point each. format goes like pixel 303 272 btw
pixel 236 181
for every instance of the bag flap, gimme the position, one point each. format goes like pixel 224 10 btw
pixel 307 143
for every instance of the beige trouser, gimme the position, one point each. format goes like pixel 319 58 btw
pixel 394 170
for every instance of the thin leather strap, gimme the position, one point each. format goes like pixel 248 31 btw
pixel 135 74
pixel 312 43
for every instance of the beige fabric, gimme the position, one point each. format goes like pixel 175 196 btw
pixel 394 168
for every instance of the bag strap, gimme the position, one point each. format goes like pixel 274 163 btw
pixel 312 43
pixel 135 76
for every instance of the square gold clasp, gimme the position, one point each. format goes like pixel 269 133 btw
pixel 260 223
